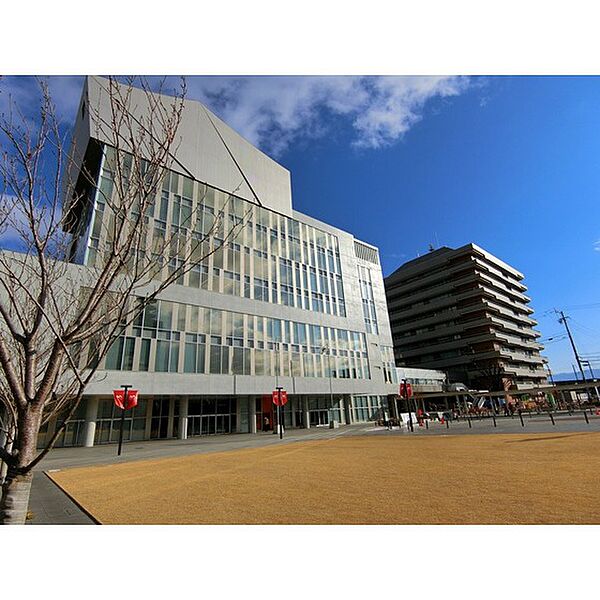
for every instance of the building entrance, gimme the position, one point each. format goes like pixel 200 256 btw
pixel 319 417
pixel 160 418
pixel 265 414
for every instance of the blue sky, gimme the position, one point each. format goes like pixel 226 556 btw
pixel 510 163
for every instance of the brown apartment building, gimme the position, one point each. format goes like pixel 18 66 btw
pixel 465 312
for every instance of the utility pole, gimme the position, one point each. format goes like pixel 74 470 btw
pixel 550 374
pixel 563 320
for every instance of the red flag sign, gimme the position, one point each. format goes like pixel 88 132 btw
pixel 405 390
pixel 276 398
pixel 119 398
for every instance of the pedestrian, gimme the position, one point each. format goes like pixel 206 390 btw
pixel 266 426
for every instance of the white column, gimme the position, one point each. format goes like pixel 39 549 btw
pixel 183 418
pixel 171 417
pixel 349 411
pixel 342 406
pixel 238 412
pixel 91 414
pixel 306 414
pixel 148 429
pixel 252 414
pixel 293 409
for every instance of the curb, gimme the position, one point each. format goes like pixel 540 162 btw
pixel 73 500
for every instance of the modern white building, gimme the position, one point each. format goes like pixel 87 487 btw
pixel 288 301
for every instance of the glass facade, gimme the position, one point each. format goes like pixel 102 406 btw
pixel 368 408
pixel 108 423
pixel 390 374
pixel 368 301
pixel 182 338
pixel 241 249
pixel 211 415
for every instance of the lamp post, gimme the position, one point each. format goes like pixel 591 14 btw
pixel 589 366
pixel 327 350
pixel 410 421
pixel 279 412
pixel 125 392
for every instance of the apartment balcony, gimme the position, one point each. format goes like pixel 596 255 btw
pixel 520 330
pixel 504 289
pixel 430 280
pixel 520 372
pixel 486 266
pixel 509 314
pixel 454 315
pixel 512 340
pixel 504 301
pixel 416 309
pixel 437 332
pixel 449 315
pixel 442 346
pixel 464 360
pixel 433 292
pixel 517 357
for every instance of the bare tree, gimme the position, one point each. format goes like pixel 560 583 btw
pixel 58 321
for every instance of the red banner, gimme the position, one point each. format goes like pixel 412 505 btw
pixel 119 397
pixel 405 390
pixel 276 398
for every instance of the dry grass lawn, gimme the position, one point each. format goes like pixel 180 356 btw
pixel 504 479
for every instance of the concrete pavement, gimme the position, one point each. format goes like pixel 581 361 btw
pixel 49 505
pixel 534 423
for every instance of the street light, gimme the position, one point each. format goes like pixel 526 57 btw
pixel 589 366
pixel 327 350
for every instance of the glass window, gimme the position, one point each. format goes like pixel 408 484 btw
pixel 150 314
pixel 114 355
pixel 162 356
pixel 166 315
pixel 144 355
pixel 128 356
pixel 215 359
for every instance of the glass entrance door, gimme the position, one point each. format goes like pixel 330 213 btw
pixel 319 417
pixel 160 418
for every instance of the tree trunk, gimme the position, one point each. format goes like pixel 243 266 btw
pixel 16 487
pixel 15 499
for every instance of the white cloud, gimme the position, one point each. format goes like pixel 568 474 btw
pixel 597 246
pixel 272 112
pixel 396 104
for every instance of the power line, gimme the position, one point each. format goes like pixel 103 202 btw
pixel 552 340
pixel 585 328
pixel 573 307
pixel 583 306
